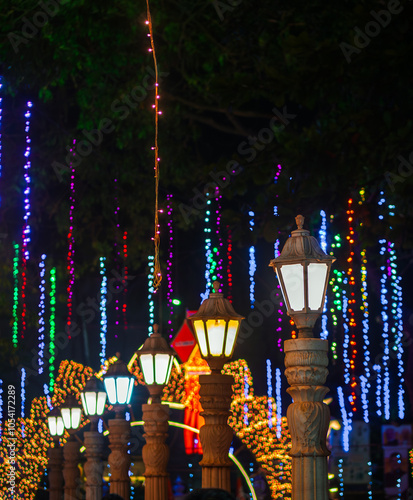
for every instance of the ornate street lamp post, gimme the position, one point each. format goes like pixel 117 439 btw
pixel 119 385
pixel 216 326
pixel 93 402
pixel 71 415
pixel 55 454
pixel 303 269
pixel 156 359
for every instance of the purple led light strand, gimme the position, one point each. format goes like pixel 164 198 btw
pixel 169 264
pixel 71 241
pixel 219 253
pixel 26 225
pixel 229 263
pixel 1 118
pixel 41 313
pixel 278 400
pixel 252 262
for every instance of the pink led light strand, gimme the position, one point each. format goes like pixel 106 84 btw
pixel 229 263
pixel 117 258
pixel 280 311
pixel 125 280
pixel 169 259
pixel 71 241
pixel 26 224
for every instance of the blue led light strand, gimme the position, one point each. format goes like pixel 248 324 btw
pixel 322 233
pixel 385 334
pixel 102 307
pixel 41 314
pixel 341 477
pixel 278 400
pixel 347 420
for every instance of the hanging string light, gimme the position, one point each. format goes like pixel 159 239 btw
pixel 169 259
pixel 151 291
pixel 252 263
pixel 71 240
pixel 322 233
pixel 364 379
pixel 52 328
pixel 1 409
pixel 269 393
pixel 102 306
pixel 117 260
pixel 229 263
pixel 219 254
pixel 278 400
pixel 41 313
pixel 26 225
pixel 125 280
pixel 346 418
pixel 157 277
pixel 1 118
pixel 15 328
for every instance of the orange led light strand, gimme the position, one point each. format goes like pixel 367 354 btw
pixel 157 276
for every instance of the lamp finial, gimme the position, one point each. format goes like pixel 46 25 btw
pixel 299 220
pixel 118 355
pixel 155 328
pixel 216 286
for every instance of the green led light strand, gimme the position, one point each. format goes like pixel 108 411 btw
pixel 15 294
pixel 52 321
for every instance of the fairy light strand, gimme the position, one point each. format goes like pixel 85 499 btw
pixel 71 241
pixel 26 225
pixel 1 409
pixel 269 393
pixel 15 328
pixel 219 249
pixel 52 327
pixel 125 281
pixel 323 243
pixel 252 262
pixel 364 379
pixel 278 400
pixel 280 311
pixel 229 263
pixel 151 291
pixel 117 260
pixel 169 261
pixel 41 314
pixel 102 307
pixel 157 276
pixel 1 124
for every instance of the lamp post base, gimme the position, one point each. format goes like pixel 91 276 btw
pixel 308 417
pixel 216 435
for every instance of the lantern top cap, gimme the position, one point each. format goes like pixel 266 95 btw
pixel 301 246
pixel 156 344
pixel 54 412
pixel 118 369
pixel 70 402
pixel 216 306
pixel 94 384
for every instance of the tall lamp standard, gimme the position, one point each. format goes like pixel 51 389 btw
pixel 119 384
pixel 156 359
pixel 216 326
pixel 93 402
pixel 55 454
pixel 303 269
pixel 71 415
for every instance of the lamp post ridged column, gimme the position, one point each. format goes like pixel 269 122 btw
pixel 155 452
pixel 119 383
pixel 216 435
pixel 71 472
pixel 93 400
pixel 216 326
pixel 55 456
pixel 119 459
pixel 303 269
pixel 156 359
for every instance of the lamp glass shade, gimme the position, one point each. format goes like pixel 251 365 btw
pixel 317 273
pixel 216 333
pixel 56 426
pixel 293 278
pixel 162 364
pixel 71 417
pixel 146 361
pixel 231 335
pixel 124 387
pixel 200 333
pixel 93 402
pixel 110 387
